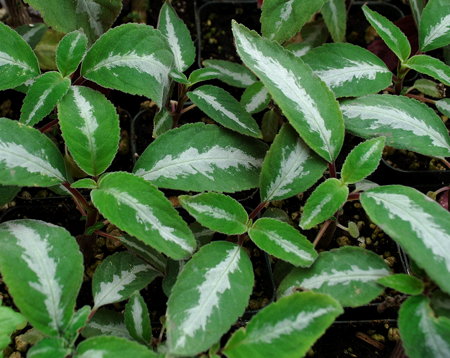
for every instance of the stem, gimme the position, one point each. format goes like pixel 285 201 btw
pixel 446 162
pixel 332 169
pixel 398 80
pixel 321 232
pixel 341 227
pixel 353 196
pixel 441 190
pixel 45 128
pixel 252 215
pixel 420 98
pixel 80 201
pixel 79 81
pixel 182 98
pixel 188 108
pixel 104 234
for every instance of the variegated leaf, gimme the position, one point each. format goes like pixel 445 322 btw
pixel 28 157
pixel 204 74
pixel 137 319
pixel 306 101
pixel 179 77
pixel 416 9
pixel 18 63
pixel 216 211
pixel 289 167
pixel 118 277
pixel 112 347
pixel 10 321
pixel 32 33
pixel 420 225
pixel 222 107
pixel 162 122
pixel 325 200
pixel 255 98
pixel 210 293
pixel 178 37
pixel 428 87
pixel 394 38
pixel 43 268
pixel 195 156
pixel 137 207
pixel 283 241
pixel 42 96
pixel 405 122
pixel 51 347
pixel 334 13
pixel 440 302
pixel 430 66
pixel 70 52
pixel 106 322
pixel 85 117
pixel 434 27
pixel 348 274
pixel 423 334
pixel 286 328
pixel 131 58
pixel 444 106
pixel 8 193
pixel 231 73
pixel 349 70
pixel 403 283
pixel 313 34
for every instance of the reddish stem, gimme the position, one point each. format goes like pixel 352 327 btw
pixel 321 232
pixel 252 215
pixel 353 196
pixel 332 169
pixel 441 190
pixel 47 127
pixel 445 161
pixel 80 201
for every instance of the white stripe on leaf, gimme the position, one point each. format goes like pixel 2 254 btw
pixel 73 45
pixel 137 312
pixel 285 12
pixel 173 42
pixel 243 78
pixel 380 27
pixel 258 99
pixel 318 209
pixel 86 112
pixel 437 30
pixel 433 339
pixel 93 11
pixel 38 104
pixel 288 246
pixel 211 211
pixel 94 353
pixel 6 59
pixel 110 329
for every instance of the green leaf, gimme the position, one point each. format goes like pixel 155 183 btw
pixel 42 96
pixel 283 241
pixel 362 160
pixel 429 88
pixel 405 122
pixel 202 157
pixel 285 329
pixel 443 106
pixel 112 347
pixel 255 98
pixel 106 323
pixel 93 16
pixel 178 37
pixel 403 283
pixel 440 302
pixel 28 157
pixel 45 50
pixel 270 124
pixel 334 13
pixel 118 277
pixel 217 212
pixel 90 128
pixel 131 58
pixel 70 52
pixel 53 347
pixel 137 207
pixel 10 321
pixel 86 183
pixel 306 101
pixel 137 319
pixel 162 122
pixel 79 320
pixel 43 268
pixel 222 107
pixel 349 70
pixel 434 27
pixel 430 66
pixel 394 38
pixel 8 193
pixel 313 34
pixel 203 74
pixel 211 292
pixel 420 225
pixel 231 73
pixel 289 167
pixel 422 333
pixel 280 19
pixel 179 77
pixel 18 63
pixel 32 33
pixel 325 200
pixel 416 9
pixel 349 274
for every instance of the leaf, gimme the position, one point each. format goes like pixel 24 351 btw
pixel 52 347
pixel 349 274
pixel 270 125
pixel 434 27
pixel 405 122
pixel 42 96
pixel 313 34
pixel 132 58
pixel 162 122
pixel 85 183
pixel 18 63
pixel 8 193
pixel 70 52
pixel 28 157
pixel 440 302
pixel 10 321
pixel 32 33
pixel 420 225
pixel 393 37
pixel 45 50
pixel 307 103
pixel 283 241
pixel 77 323
pixel 362 160
pixel 348 70
pixel 178 37
pixel 286 328
pixel 416 9
pixel 280 19
pixel 90 128
pixel 43 268
pixel 403 283
pixel 325 200
pixel 200 157
pixel 289 167
pixel 93 16
pixel 112 347
pixel 217 212
pixel 210 293
pixel 222 107
pixel 423 334
pixel 203 74
pixel 118 277
pixel 430 66
pixel 231 73
pixel 334 13
pixel 443 106
pixel 428 88
pixel 255 98
pixel 140 209
pixel 137 319
pixel 179 77
pixel 106 323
